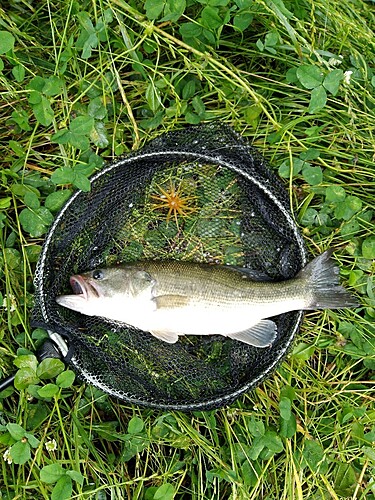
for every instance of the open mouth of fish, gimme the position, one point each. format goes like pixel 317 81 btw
pixel 81 287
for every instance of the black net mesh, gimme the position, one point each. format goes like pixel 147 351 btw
pixel 232 210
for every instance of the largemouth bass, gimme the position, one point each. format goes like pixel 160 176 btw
pixel 173 298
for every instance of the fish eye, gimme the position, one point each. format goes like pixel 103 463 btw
pixel 98 274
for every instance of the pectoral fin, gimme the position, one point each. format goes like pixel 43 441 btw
pixel 260 335
pixel 169 337
pixel 170 301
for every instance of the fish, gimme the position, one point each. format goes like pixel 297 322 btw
pixel 173 298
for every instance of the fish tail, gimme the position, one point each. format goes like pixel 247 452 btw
pixel 322 277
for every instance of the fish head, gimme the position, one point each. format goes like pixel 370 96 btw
pixel 100 291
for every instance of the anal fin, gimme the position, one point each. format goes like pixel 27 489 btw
pixel 165 336
pixel 260 335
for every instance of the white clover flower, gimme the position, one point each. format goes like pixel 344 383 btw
pixel 51 445
pixel 347 77
pixel 335 61
pixel 7 456
pixel 11 299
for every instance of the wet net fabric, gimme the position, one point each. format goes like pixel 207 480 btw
pixel 233 210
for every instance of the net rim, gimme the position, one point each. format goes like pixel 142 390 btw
pixel 201 156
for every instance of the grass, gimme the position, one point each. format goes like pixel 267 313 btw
pixel 83 82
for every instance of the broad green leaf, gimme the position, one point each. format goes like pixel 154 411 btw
pixel 134 445
pixel 250 473
pixel 332 81
pixel 36 222
pixel 52 473
pixel 20 452
pixel 335 194
pixel 63 175
pixel 256 427
pixel 211 18
pixel 5 202
pixel 43 111
pixel 62 136
pixel 31 200
pixel 173 10
pixel 37 413
pixel 242 20
pixel 34 98
pixel 48 391
pixel 345 480
pixel 96 109
pixel 153 97
pixel 81 182
pixel 285 406
pixel 135 426
pixel 312 175
pixel 284 169
pixel 241 452
pixel 349 229
pixel 65 379
pixel 25 377
pixel 198 106
pixel 50 368
pixel 192 118
pixel 347 208
pixel 310 154
pixel 252 113
pixel 313 455
pixel 165 492
pixel 6 42
pixel 291 75
pixel 318 99
pixel 19 73
pixel 37 83
pixel 26 361
pixel 16 431
pixel 85 21
pixel 256 448
pixel 53 86
pixel 288 392
pixel 288 427
pixel 368 248
pixel 303 351
pixel 76 476
pixel 271 39
pixel 99 135
pixel 189 89
pixel 82 125
pixel 190 30
pixel 273 442
pixel 79 141
pixel 369 453
pixel 56 200
pixel 154 121
pixel 154 8
pixel 310 76
pixel 13 259
pixel 90 43
pixel 32 440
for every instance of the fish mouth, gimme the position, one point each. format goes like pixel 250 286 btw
pixel 82 287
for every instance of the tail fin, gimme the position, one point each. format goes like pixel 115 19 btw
pixel 322 275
